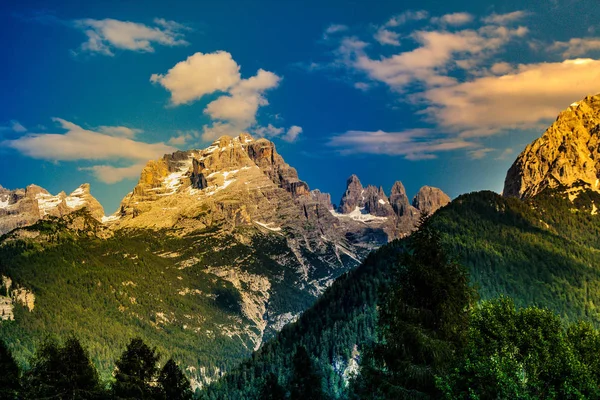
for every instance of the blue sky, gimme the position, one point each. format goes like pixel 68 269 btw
pixel 440 93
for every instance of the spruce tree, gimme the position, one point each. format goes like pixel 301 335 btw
pixel 423 322
pixel 62 372
pixel 9 375
pixel 136 372
pixel 173 383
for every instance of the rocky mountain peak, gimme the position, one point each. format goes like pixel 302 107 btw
pixel 429 199
pixel 394 216
pixel 400 202
pixel 567 155
pixel 23 207
pixel 353 196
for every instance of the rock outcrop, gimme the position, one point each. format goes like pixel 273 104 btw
pixel 369 215
pixel 429 199
pixel 567 155
pixel 23 207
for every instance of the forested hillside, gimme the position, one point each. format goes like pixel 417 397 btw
pixel 141 283
pixel 541 252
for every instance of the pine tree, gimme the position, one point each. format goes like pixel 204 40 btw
pixel 173 383
pixel 305 383
pixel 62 372
pixel 9 375
pixel 423 322
pixel 136 372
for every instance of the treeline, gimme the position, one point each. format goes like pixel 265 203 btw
pixel 64 371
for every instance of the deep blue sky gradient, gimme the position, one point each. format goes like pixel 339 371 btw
pixel 41 79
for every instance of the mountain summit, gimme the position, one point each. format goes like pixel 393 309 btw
pixel 567 155
pixel 23 207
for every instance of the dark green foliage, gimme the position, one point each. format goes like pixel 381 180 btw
pixel 62 372
pixel 305 382
pixel 271 389
pixel 423 322
pixel 542 252
pixel 9 374
pixel 136 373
pixel 343 317
pixel 173 383
pixel 525 354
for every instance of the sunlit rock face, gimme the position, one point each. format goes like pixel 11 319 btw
pixel 566 156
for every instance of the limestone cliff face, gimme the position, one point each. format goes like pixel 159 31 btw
pixel 566 155
pixel 23 207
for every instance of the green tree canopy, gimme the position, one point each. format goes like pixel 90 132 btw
pixel 525 354
pixel 62 372
pixel 423 321
pixel 272 390
pixel 9 374
pixel 136 372
pixel 305 382
pixel 173 383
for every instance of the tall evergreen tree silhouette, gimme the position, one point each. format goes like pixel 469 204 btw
pixel 136 372
pixel 62 372
pixel 423 322
pixel 9 374
pixel 272 390
pixel 173 383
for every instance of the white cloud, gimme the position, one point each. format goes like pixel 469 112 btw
pixel 246 97
pixel 122 131
pixel 508 152
pixel 405 17
pixel 14 126
pixel 292 134
pixel 267 131
pixel 17 127
pixel 271 131
pixel 180 140
pixel 413 144
pixel 528 98
pixel 109 174
pixel 454 19
pixel 334 29
pixel 82 144
pixel 478 154
pixel 438 52
pixel 385 36
pixel 199 75
pixel 576 47
pixel 217 129
pixel 202 74
pixel 505 19
pixel 108 34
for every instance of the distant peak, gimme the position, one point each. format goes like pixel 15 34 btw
pixel 353 179
pixel 398 189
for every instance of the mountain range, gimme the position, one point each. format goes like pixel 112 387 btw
pixel 222 253
pixel 209 256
